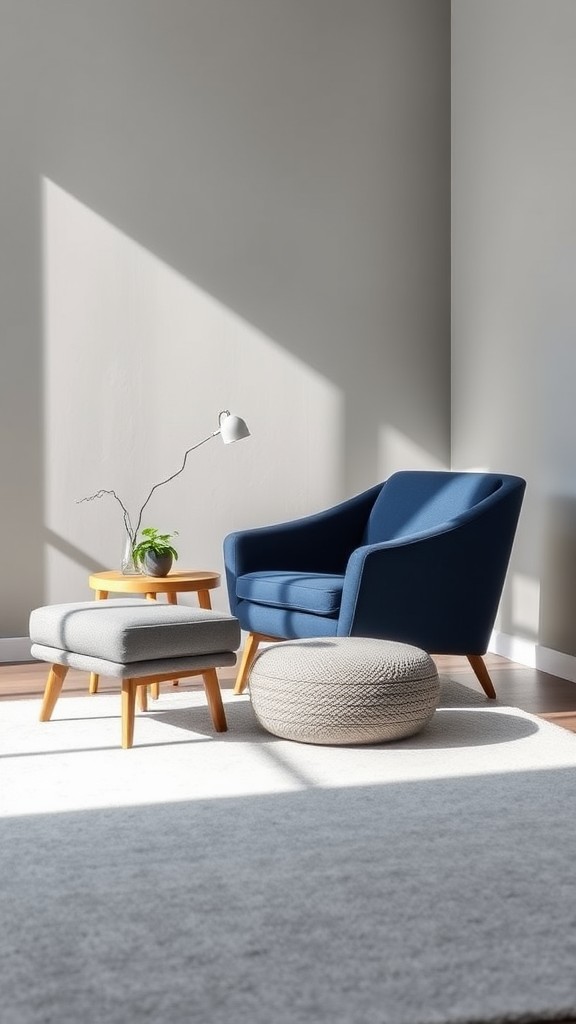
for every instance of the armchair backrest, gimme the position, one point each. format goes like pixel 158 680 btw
pixel 416 500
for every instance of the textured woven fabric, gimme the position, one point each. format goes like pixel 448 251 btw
pixel 135 670
pixel 126 630
pixel 343 690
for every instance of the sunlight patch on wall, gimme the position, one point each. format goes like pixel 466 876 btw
pixel 396 451
pixel 138 362
pixel 525 596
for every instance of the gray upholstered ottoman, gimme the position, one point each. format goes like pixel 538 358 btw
pixel 140 642
pixel 343 690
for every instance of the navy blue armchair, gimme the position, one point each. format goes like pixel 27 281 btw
pixel 420 558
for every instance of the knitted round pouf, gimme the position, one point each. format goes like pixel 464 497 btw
pixel 340 690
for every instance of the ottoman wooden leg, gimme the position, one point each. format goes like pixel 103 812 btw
pixel 142 692
pixel 56 677
pixel 129 687
pixel 214 698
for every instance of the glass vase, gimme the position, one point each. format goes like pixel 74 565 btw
pixel 128 565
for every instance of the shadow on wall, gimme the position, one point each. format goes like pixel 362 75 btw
pixel 289 163
pixel 558 581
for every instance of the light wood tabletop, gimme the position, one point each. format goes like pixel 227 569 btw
pixel 187 581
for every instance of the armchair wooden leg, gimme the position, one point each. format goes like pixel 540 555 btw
pixel 214 698
pixel 481 673
pixel 56 677
pixel 248 655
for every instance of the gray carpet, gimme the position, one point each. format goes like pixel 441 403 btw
pixel 242 879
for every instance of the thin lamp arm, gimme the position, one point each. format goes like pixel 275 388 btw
pixel 174 475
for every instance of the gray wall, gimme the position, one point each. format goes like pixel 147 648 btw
pixel 514 286
pixel 208 204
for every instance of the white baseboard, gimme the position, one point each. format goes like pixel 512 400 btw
pixel 526 652
pixel 15 648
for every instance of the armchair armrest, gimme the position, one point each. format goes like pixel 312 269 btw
pixel 438 589
pixel 318 543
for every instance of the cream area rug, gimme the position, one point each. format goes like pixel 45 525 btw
pixel 241 879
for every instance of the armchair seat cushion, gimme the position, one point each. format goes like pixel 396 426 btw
pixel 314 592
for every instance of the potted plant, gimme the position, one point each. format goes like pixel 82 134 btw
pixel 154 553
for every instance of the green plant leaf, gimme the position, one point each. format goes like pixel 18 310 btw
pixel 156 542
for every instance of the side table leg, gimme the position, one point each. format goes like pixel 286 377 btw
pixel 204 599
pixel 155 687
pixel 100 595
pixel 172 599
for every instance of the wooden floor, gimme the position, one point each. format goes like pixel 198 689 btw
pixel 526 688
pixel 537 692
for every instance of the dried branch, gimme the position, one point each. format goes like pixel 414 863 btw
pixel 125 513
pixel 169 478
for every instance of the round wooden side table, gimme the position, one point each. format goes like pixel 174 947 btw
pixel 189 581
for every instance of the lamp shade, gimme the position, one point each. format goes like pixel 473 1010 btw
pixel 232 428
